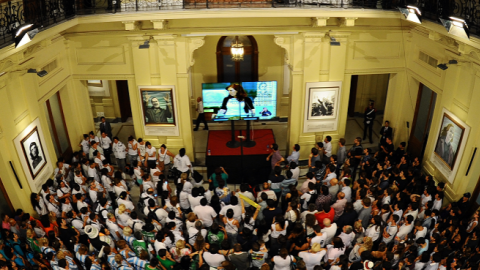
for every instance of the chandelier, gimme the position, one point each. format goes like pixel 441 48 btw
pixel 237 50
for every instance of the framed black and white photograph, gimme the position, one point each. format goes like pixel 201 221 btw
pixel 450 144
pixel 159 110
pixel 321 106
pixel 322 103
pixel 33 151
pixel 33 154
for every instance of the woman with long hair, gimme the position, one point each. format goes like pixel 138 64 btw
pixel 38 204
pixel 298 239
pixel 292 214
pixel 334 250
pixel 374 230
pixel 180 250
pixel 283 260
pixel 310 222
pixel 363 244
pixel 200 244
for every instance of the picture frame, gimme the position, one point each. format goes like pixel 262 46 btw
pixel 95 83
pixel 43 169
pixel 322 106
pixel 449 144
pixel 322 103
pixel 170 125
pixel 158 106
pixel 33 152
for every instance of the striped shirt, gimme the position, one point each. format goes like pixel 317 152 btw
pixel 137 263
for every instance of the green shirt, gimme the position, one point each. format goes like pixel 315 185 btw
pixel 215 238
pixel 138 246
pixel 166 263
pixel 214 179
pixel 148 237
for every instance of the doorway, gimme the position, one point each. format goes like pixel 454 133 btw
pixel 57 127
pixel 421 122
pixel 111 99
pixel 365 89
pixel 5 203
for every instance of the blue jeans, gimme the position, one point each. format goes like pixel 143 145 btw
pixel 133 160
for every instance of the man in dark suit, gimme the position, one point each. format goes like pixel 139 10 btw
pixel 105 127
pixel 385 132
pixel 368 118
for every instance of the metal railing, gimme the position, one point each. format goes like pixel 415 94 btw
pixel 46 13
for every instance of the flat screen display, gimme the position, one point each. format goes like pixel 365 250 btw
pixel 263 105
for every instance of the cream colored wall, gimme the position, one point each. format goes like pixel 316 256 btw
pixel 182 53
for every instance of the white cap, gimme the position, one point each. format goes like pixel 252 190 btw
pixel 367 265
pixel 91 231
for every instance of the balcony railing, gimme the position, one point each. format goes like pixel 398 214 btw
pixel 46 13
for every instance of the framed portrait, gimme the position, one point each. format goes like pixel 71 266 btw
pixel 321 106
pixel 33 152
pixel 449 144
pixel 158 107
pixel 33 155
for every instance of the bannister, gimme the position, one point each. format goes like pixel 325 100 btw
pixel 46 13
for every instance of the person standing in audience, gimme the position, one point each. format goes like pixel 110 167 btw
pixel 132 147
pixel 182 162
pixel 106 144
pixel 201 115
pixel 274 156
pixel 368 119
pixel 120 151
pixel 295 155
pixel 341 154
pixel 165 161
pixel 385 132
pixel 105 127
pixel 327 146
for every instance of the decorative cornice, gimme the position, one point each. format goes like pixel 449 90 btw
pixel 193 45
pixel 159 24
pixel 285 41
pixel 349 21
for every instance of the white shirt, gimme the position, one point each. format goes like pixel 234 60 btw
pixel 312 259
pixel 347 239
pixel 152 153
pixel 270 193
pixel 128 204
pixel 322 240
pixel 421 233
pixel 200 107
pixel 213 260
pixel 327 146
pixel 348 193
pixel 182 163
pixel 281 263
pixel 183 200
pixel 130 148
pixel 391 230
pixel 237 211
pixel 194 201
pixel 205 214
pixel 163 157
pixel 193 233
pixel 295 173
pixel 304 187
pixel 85 146
pixel 437 205
pixel 330 231
pixel 404 230
pixel 113 228
pixel 119 150
pixel 105 142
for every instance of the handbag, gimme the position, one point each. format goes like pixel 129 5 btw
pixel 293 265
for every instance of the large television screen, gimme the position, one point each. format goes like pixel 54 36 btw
pixel 262 94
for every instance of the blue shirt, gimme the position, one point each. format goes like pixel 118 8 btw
pixel 294 157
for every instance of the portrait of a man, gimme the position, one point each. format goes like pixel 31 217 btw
pixel 35 157
pixel 158 106
pixel 33 151
pixel 448 141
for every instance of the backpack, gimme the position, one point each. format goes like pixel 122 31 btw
pixel 153 214
pixel 313 198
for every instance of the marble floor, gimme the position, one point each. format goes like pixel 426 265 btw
pixel 355 129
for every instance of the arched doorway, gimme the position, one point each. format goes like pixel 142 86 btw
pixel 237 71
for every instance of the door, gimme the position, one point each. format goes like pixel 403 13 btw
pixel 5 203
pixel 421 122
pixel 56 124
pixel 124 100
pixel 475 200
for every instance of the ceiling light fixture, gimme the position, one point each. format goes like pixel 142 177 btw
pixel 412 14
pixel 237 50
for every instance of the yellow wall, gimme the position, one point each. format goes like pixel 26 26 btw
pixel 108 104
pixel 182 53
pixel 371 87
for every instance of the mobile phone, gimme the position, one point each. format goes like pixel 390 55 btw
pixel 156 195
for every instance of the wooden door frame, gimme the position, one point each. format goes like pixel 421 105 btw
pixel 67 154
pixel 5 194
pixel 353 91
pixel 122 109
pixel 414 122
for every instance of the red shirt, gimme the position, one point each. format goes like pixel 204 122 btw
pixel 322 215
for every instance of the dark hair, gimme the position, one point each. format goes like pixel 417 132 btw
pixel 296 147
pixel 314 151
pixel 182 152
pixel 203 201
pixel 329 138
pixel 310 175
pixel 275 146
pixel 229 213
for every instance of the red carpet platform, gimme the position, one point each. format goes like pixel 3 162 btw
pixel 251 166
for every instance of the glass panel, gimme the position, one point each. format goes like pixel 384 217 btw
pixel 228 69
pixel 246 69
pixel 57 151
pixel 422 115
pixel 57 115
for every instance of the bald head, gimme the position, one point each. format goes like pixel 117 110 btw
pixel 340 195
pixel 327 222
pixel 334 181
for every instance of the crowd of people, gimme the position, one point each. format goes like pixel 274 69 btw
pixel 357 209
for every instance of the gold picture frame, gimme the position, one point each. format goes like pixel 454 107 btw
pixel 158 107
pixel 454 130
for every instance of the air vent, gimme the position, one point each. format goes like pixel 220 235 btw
pixel 428 59
pixel 50 66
